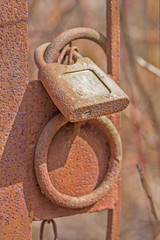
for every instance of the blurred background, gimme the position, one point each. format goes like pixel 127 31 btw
pixel 140 79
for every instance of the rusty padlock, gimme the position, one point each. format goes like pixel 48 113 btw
pixel 82 90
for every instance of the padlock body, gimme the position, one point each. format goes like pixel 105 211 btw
pixel 82 90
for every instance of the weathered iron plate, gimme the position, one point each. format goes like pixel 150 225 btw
pixel 18 159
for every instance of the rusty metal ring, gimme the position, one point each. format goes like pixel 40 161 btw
pixel 39 55
pixel 52 51
pixel 63 52
pixel 42 172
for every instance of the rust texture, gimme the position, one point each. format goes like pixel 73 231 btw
pixel 41 156
pixel 78 156
pixel 14 219
pixel 72 87
pixel 89 148
pixel 87 152
pixel 113 67
pixel 13 62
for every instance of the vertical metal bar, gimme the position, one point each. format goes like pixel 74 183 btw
pixel 110 220
pixel 109 36
pixel 113 222
pixel 14 220
pixel 113 68
pixel 113 225
pixel 113 38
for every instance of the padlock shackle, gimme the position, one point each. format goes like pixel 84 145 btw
pixel 66 37
pixel 38 55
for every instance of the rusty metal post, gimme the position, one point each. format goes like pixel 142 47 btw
pixel 113 64
pixel 14 219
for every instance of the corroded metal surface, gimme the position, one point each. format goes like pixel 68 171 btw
pixel 41 156
pixel 14 220
pixel 113 65
pixel 13 62
pixel 24 136
pixel 72 87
